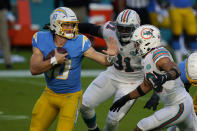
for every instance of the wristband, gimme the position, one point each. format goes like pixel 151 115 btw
pixel 111 59
pixel 53 61
pixel 140 91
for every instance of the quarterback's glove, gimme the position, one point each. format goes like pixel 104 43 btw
pixel 119 103
pixel 159 80
pixel 152 102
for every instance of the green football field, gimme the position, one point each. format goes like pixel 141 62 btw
pixel 18 96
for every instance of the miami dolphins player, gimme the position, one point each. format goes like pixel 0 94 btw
pixel 121 78
pixel 163 76
pixel 62 94
pixel 189 74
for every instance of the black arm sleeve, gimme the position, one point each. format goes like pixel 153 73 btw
pixel 91 29
pixel 187 86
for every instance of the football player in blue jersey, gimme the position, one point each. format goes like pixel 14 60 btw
pixel 62 94
pixel 189 74
pixel 182 18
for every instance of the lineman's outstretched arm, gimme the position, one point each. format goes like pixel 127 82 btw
pixel 109 58
pixel 92 29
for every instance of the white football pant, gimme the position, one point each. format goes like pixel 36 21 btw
pixel 180 116
pixel 101 89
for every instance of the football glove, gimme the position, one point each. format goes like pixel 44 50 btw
pixel 159 80
pixel 152 102
pixel 187 86
pixel 119 103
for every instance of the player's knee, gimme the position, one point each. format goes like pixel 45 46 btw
pixel 87 112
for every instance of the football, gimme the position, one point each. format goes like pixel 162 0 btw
pixel 54 71
pixel 61 50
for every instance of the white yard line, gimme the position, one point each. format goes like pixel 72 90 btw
pixel 13 117
pixel 26 73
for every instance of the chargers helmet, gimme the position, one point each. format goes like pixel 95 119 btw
pixel 146 37
pixel 127 21
pixel 191 68
pixel 60 16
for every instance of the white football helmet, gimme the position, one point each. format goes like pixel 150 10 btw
pixel 127 21
pixel 191 68
pixel 60 16
pixel 146 37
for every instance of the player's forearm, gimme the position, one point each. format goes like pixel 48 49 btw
pixel 102 59
pixel 97 56
pixel 134 94
pixel 37 68
pixel 171 70
pixel 141 90
pixel 174 72
pixel 91 29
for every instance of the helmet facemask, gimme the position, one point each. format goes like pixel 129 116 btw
pixel 68 33
pixel 138 50
pixel 124 33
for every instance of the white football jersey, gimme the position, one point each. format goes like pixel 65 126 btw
pixel 173 91
pixel 128 66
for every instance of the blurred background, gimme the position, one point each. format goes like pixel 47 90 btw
pixel 25 17
pixel 22 18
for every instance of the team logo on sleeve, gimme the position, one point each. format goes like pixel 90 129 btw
pixel 146 33
pixel 148 67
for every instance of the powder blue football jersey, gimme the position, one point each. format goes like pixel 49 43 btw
pixel 64 78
